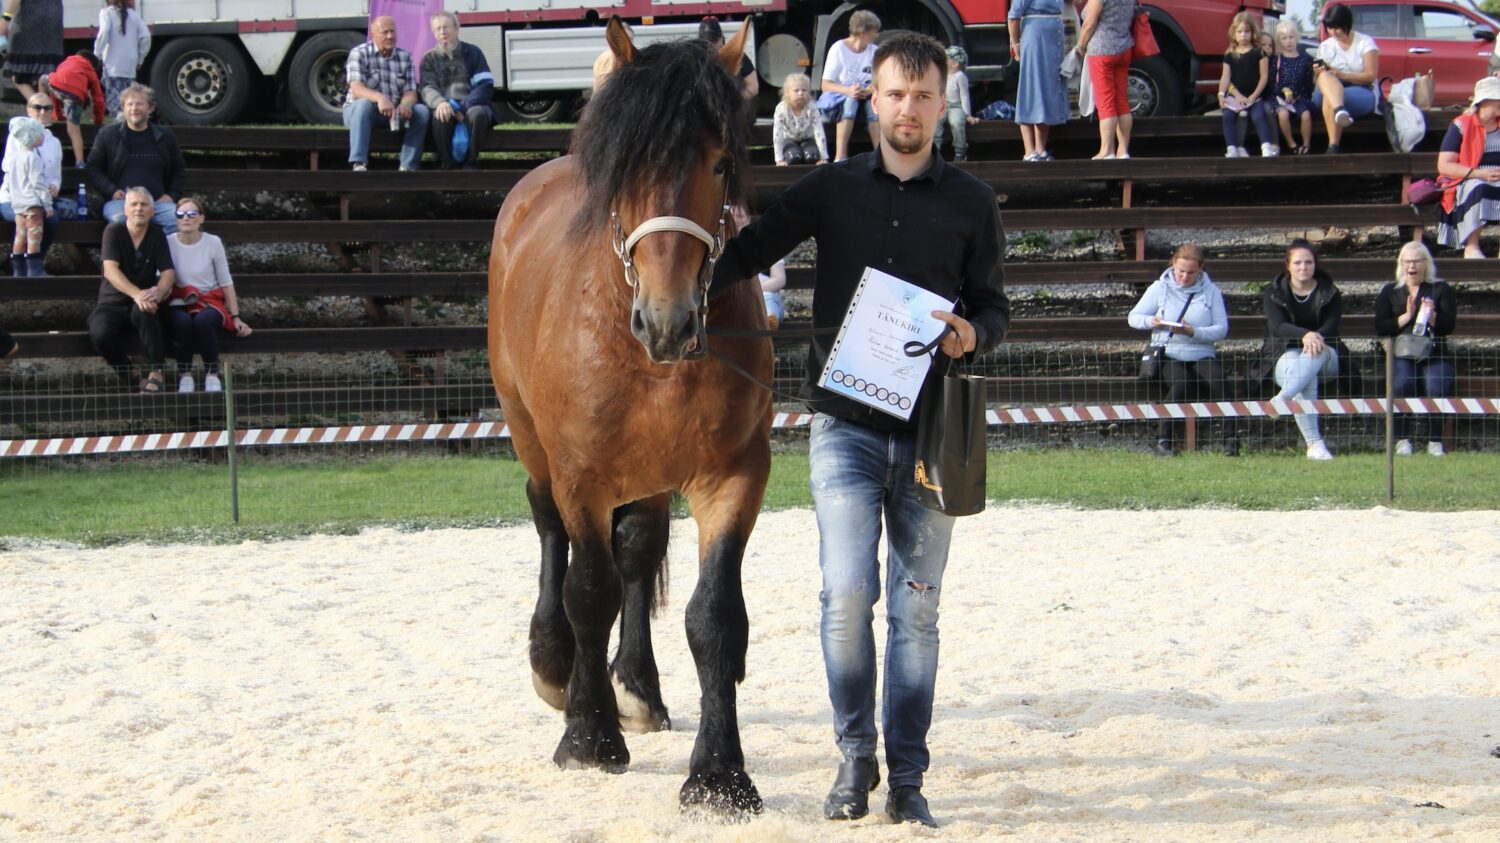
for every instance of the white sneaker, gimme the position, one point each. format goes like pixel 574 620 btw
pixel 1318 451
pixel 1403 447
pixel 1231 152
pixel 1342 117
pixel 1269 150
pixel 1436 449
pixel 1242 152
pixel 186 384
pixel 358 167
pixel 211 383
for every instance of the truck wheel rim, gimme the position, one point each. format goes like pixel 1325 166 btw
pixel 329 84
pixel 201 81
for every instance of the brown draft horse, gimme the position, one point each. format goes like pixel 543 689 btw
pixel 598 280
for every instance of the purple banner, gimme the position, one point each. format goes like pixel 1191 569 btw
pixel 413 27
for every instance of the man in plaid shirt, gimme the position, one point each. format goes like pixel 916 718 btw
pixel 383 88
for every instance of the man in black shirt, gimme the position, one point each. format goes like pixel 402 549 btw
pixel 138 277
pixel 902 210
pixel 137 153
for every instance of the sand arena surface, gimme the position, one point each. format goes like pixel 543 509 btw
pixel 1201 675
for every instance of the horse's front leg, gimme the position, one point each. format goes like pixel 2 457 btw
pixel 718 631
pixel 641 530
pixel 591 599
pixel 551 636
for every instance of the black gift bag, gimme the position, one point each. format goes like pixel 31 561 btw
pixel 951 426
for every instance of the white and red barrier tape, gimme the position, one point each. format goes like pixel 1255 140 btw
pixel 357 434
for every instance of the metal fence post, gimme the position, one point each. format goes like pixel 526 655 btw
pixel 234 465
pixel 1390 418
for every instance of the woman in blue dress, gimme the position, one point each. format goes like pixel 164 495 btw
pixel 1036 41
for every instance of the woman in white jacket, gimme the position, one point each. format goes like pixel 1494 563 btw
pixel 1185 312
pixel 122 44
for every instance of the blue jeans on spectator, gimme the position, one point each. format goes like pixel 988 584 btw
pixel 62 209
pixel 857 474
pixel 362 116
pixel 1237 124
pixel 164 214
pixel 1298 375
pixel 1359 101
pixel 1430 378
pixel 195 332
pixel 849 108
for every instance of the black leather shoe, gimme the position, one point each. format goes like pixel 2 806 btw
pixel 850 797
pixel 908 805
pixel 1231 447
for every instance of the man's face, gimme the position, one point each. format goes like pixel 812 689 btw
pixel 908 108
pixel 443 30
pixel 39 108
pixel 138 208
pixel 136 109
pixel 383 33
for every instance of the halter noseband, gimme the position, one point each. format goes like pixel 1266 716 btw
pixel 624 247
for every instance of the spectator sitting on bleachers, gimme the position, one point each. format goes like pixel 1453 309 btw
pixel 1303 308
pixel 203 299
pixel 1346 70
pixel 1242 90
pixel 383 89
pixel 797 135
pixel 138 277
pixel 39 108
pixel 1418 302
pixel 1292 86
pixel 1188 310
pixel 123 157
pixel 455 71
pixel 847 82
pixel 1471 156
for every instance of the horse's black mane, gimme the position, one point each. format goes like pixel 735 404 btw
pixel 643 128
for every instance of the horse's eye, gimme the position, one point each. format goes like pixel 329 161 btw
pixel 722 167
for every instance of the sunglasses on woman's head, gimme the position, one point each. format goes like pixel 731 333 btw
pixel 188 215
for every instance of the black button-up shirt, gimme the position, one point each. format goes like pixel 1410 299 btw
pixel 939 230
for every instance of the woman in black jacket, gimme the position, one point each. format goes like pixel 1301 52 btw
pixel 1302 348
pixel 1418 302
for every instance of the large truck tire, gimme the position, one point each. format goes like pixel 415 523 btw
pixel 1154 88
pixel 201 80
pixel 317 82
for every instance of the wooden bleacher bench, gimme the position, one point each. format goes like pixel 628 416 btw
pixel 468 337
pixel 473 284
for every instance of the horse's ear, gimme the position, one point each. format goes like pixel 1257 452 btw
pixel 730 53
pixel 619 41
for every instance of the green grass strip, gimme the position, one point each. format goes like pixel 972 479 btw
pixel 95 503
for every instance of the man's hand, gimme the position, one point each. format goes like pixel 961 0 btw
pixel 146 300
pixel 443 112
pixel 963 338
pixel 404 110
pixel 384 105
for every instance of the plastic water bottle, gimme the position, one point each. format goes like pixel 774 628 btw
pixel 83 202
pixel 1424 315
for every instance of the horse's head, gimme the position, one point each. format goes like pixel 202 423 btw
pixel 663 156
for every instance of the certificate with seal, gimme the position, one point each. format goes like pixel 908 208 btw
pixel 867 361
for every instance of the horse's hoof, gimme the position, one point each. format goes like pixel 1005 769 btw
pixel 550 694
pixel 636 714
pixel 728 793
pixel 585 747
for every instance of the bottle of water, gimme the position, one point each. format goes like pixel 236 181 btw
pixel 1424 315
pixel 83 202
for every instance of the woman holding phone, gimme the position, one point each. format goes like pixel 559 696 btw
pixel 1345 71
pixel 1185 313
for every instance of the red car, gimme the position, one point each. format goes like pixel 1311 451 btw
pixel 1450 40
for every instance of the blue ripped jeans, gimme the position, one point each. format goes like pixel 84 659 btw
pixel 858 474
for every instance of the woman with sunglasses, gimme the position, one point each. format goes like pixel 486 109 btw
pixel 203 300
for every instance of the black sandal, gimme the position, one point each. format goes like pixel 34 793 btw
pixel 153 384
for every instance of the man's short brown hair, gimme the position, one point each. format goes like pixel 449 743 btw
pixel 914 53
